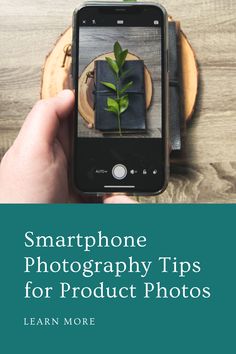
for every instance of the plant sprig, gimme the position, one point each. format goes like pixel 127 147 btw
pixel 120 103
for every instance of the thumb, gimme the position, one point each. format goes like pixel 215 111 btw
pixel 42 123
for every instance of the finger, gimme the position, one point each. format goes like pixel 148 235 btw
pixel 118 199
pixel 43 122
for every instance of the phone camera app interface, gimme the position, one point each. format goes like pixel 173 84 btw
pixel 120 100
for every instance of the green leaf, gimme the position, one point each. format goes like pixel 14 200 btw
pixel 113 104
pixel 126 87
pixel 117 50
pixel 109 84
pixel 124 103
pixel 113 65
pixel 122 57
pixel 111 109
pixel 119 104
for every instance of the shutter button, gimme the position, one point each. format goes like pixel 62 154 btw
pixel 119 171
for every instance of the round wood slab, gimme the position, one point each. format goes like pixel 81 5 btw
pixel 56 75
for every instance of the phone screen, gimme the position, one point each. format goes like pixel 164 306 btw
pixel 120 129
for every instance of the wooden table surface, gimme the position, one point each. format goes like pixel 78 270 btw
pixel 206 170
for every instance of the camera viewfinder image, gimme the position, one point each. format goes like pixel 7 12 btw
pixel 119 87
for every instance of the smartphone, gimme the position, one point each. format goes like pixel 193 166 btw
pixel 120 75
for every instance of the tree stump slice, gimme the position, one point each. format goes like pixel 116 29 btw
pixel 57 67
pixel 189 76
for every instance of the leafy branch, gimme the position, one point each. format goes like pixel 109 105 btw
pixel 120 103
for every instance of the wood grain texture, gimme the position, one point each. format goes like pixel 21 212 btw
pixel 206 170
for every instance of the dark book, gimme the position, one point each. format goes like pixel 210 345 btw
pixel 133 120
pixel 175 99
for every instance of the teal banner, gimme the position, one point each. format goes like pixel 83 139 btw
pixel 118 279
